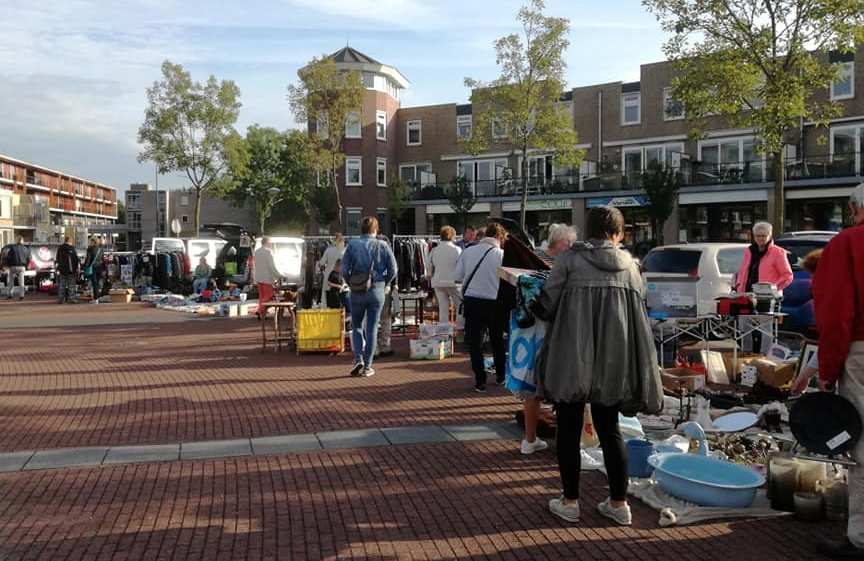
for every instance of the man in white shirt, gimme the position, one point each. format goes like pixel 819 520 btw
pixel 264 270
pixel 477 269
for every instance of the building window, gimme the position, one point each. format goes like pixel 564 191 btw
pixel 673 109
pixel 499 129
pixel 731 160
pixel 381 172
pixel 321 125
pixel 381 125
pixel 415 133
pixel 636 159
pixel 184 200
pixel 354 171
pixel 417 175
pixel 463 127
pixel 484 176
pixel 846 147
pixel 843 86
pixel 184 219
pixel 630 108
pixel 353 216
pixel 353 125
pixel 368 80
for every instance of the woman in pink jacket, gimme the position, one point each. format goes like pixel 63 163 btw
pixel 763 262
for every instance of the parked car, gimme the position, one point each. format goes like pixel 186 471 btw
pixel 684 280
pixel 167 245
pixel 289 254
pixel 798 296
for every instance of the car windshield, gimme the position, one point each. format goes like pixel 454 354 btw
pixel 672 260
pixel 797 250
pixel 287 257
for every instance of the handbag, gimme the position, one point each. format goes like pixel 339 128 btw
pixel 361 281
pixel 468 282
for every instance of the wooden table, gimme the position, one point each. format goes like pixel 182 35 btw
pixel 279 318
pixel 406 301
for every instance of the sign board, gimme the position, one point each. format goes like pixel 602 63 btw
pixel 620 202
pixel 548 204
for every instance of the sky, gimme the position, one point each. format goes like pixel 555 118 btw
pixel 74 73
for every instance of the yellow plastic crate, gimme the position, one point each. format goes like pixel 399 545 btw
pixel 320 330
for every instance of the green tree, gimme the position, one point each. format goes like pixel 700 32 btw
pixel 189 128
pixel 461 198
pixel 322 203
pixel 521 109
pixel 398 195
pixel 661 186
pixel 271 167
pixel 759 63
pixel 121 212
pixel 325 99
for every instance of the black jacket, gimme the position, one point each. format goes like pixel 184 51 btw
pixel 18 256
pixel 67 262
pixel 94 259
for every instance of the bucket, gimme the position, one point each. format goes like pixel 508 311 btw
pixel 638 452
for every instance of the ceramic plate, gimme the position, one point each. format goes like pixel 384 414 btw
pixel 735 422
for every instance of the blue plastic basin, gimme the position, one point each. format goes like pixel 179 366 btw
pixel 706 481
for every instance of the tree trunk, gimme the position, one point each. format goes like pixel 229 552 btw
pixel 198 193
pixel 335 183
pixel 779 217
pixel 523 205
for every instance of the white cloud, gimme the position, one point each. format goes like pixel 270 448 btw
pixel 400 12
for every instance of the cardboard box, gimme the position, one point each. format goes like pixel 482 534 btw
pixel 121 295
pixel 693 353
pixel 675 378
pixel 435 330
pixel 734 370
pixel 427 350
pixel 774 373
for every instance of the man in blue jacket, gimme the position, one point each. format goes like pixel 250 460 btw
pixel 368 266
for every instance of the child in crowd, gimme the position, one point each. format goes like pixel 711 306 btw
pixel 336 287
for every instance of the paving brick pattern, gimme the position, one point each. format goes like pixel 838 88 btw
pixel 467 501
pixel 204 379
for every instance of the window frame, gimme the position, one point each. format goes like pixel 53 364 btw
pixel 624 99
pixel 501 134
pixel 740 164
pixel 381 121
pixel 667 97
pixel 851 95
pixel 462 120
pixel 354 116
pixel 419 129
pixel 664 147
pixel 349 160
pixel 378 169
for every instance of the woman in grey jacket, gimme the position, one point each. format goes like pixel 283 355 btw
pixel 599 350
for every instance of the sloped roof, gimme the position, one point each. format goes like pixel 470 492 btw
pixel 347 54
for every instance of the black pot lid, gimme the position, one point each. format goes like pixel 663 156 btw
pixel 825 423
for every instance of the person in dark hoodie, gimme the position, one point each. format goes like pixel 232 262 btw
pixel 17 260
pixel 94 267
pixel 599 350
pixel 67 266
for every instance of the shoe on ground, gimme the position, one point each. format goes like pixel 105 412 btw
pixel 480 388
pixel 358 369
pixel 367 372
pixel 841 550
pixel 620 515
pixel 500 381
pixel 567 512
pixel 529 448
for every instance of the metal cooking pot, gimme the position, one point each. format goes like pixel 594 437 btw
pixel 825 423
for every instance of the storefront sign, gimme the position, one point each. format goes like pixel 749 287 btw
pixel 546 204
pixel 631 201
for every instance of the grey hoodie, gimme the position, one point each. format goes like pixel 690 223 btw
pixel 599 346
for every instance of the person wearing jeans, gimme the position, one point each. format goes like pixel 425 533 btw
pixel 477 270
pixel 598 349
pixel 17 261
pixel 372 259
pixel 838 299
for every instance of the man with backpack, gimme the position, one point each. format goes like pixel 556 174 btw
pixel 369 266
pixel 17 260
pixel 67 266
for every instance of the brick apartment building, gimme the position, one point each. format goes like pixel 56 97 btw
pixel 44 205
pixel 624 129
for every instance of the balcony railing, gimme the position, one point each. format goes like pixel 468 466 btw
pixel 690 173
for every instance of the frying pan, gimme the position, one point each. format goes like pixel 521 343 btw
pixel 825 423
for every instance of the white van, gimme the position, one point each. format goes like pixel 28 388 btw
pixel 167 245
pixel 207 248
pixel 684 280
pixel 289 257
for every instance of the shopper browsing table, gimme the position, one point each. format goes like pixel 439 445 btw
pixel 68 266
pixel 265 271
pixel 369 265
pixel 599 350
pixel 838 296
pixel 477 270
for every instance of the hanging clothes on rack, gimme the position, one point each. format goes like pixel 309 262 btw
pixel 412 258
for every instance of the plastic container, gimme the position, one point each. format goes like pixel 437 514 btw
pixel 809 473
pixel 835 491
pixel 638 452
pixel 706 481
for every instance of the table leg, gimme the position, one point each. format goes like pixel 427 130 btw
pixel 277 327
pixel 263 316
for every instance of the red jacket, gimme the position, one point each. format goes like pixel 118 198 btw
pixel 838 299
pixel 773 268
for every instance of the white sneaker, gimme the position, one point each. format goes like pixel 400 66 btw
pixel 367 372
pixel 529 448
pixel 621 515
pixel 568 512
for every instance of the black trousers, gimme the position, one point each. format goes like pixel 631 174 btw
pixel 482 316
pixel 569 434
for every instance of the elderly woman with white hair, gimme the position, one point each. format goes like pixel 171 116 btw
pixel 763 262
